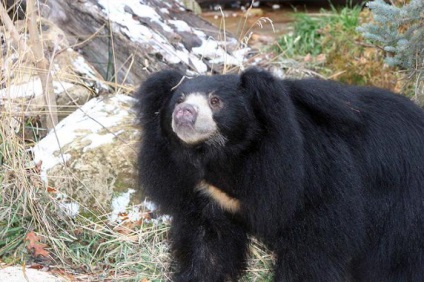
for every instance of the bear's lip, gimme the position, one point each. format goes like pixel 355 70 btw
pixel 184 126
pixel 189 134
pixel 185 121
pixel 184 129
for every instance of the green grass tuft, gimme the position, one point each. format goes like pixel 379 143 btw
pixel 309 30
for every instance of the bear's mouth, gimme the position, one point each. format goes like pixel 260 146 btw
pixel 190 134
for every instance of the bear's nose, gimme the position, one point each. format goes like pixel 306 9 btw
pixel 185 113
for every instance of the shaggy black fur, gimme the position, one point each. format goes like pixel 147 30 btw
pixel 330 177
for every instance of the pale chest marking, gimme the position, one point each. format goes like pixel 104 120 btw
pixel 226 202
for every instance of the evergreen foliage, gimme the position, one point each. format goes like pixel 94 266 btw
pixel 400 32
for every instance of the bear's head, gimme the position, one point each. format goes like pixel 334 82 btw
pixel 208 109
pixel 215 110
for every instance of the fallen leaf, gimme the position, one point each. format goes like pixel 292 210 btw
pixel 35 246
pixel 123 216
pixel 36 266
pixel 307 58
pixel 146 215
pixel 51 189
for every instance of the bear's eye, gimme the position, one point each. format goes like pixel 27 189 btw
pixel 180 99
pixel 215 102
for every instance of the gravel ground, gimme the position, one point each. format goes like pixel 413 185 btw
pixel 18 273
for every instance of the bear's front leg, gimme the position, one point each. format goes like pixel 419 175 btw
pixel 208 244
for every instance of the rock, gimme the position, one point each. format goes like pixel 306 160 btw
pixel 255 12
pixel 21 274
pixel 97 153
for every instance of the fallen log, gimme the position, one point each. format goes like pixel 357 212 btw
pixel 126 40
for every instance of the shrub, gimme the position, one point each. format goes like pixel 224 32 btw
pixel 399 32
pixel 337 48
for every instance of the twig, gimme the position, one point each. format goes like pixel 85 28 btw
pixel 42 66
pixel 84 42
pixel 14 34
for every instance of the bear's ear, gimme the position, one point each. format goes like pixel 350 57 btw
pixel 254 81
pixel 155 92
pixel 264 91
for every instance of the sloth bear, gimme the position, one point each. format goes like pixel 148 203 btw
pixel 330 177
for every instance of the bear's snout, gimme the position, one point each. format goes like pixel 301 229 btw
pixel 185 114
pixel 192 120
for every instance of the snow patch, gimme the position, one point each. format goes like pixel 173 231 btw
pixel 97 140
pixel 122 212
pixel 122 12
pixel 120 205
pixel 150 205
pixel 164 11
pixel 80 65
pixel 212 50
pixel 70 209
pixel 32 89
pixel 198 64
pixel 67 206
pixel 180 25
